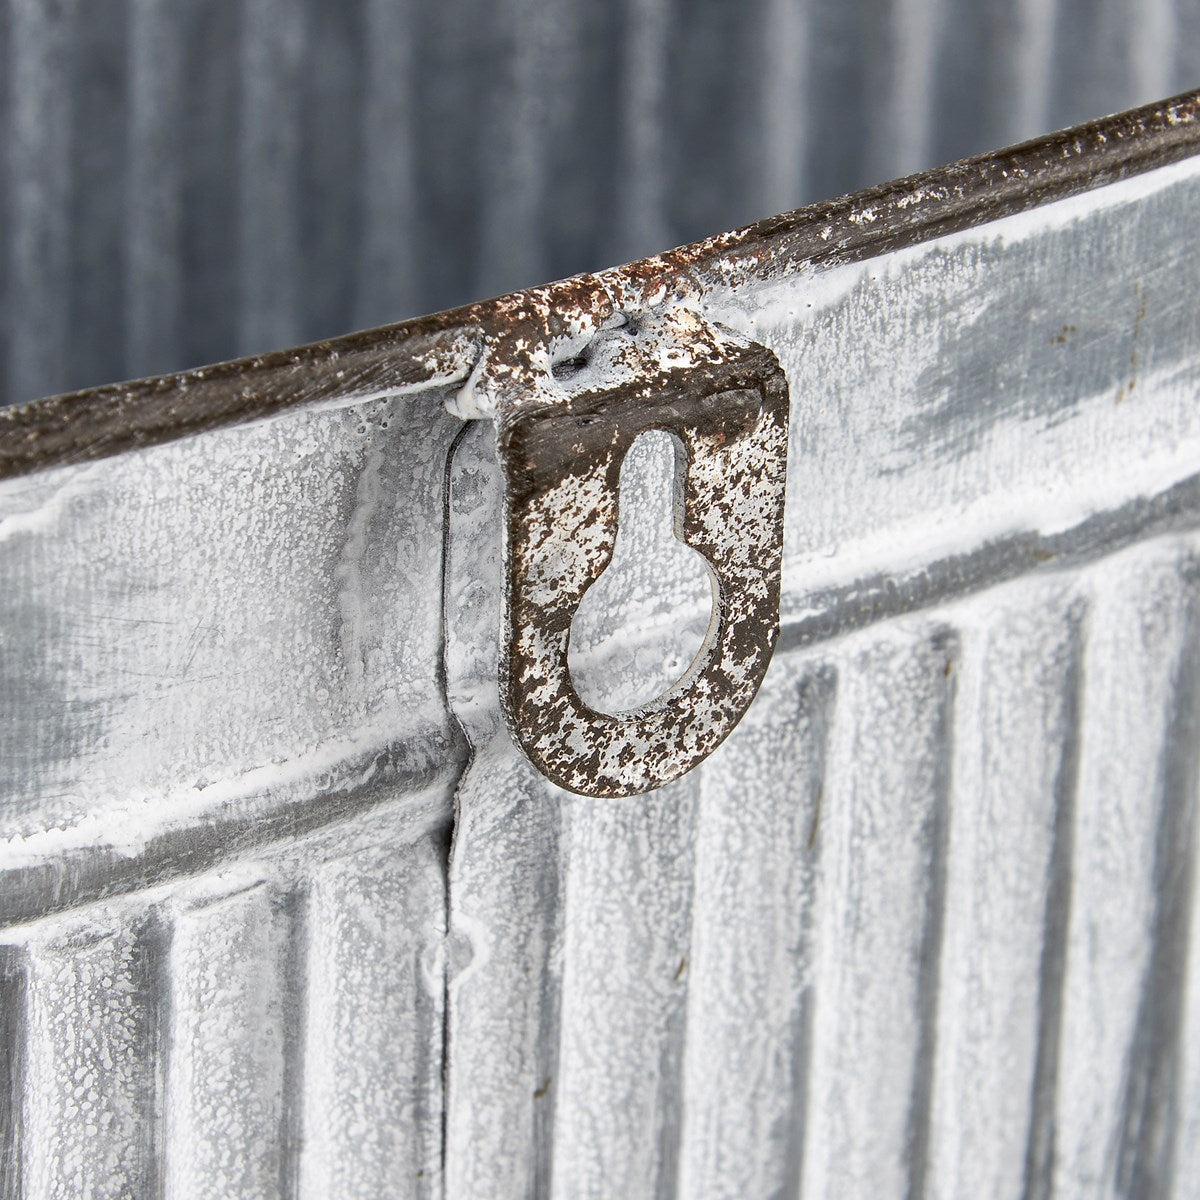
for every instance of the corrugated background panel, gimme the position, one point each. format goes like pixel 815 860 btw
pixel 182 181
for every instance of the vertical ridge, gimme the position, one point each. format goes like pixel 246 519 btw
pixel 842 41
pixel 639 218
pixel 930 953
pixel 993 64
pixel 503 960
pixel 373 1089
pixel 1186 51
pixel 548 1058
pixel 1152 1085
pixel 1152 32
pixel 1138 627
pixel 89 1084
pixel 797 1130
pixel 902 84
pixel 714 67
pixel 1013 679
pixel 334 201
pixel 40 167
pixel 209 317
pixel 295 916
pixel 582 139
pixel 153 278
pixel 225 1099
pixel 156 938
pixel 784 98
pixel 1030 64
pixel 514 165
pixel 454 54
pixel 626 941
pixel 151 1049
pixel 272 44
pixel 878 930
pixel 1039 1156
pixel 94 308
pixel 13 1034
pixel 1095 59
pixel 749 970
pixel 7 185
pixel 386 275
pixel 1185 1137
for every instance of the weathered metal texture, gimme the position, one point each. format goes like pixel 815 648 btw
pixel 286 912
pixel 563 435
pixel 182 181
pixel 228 766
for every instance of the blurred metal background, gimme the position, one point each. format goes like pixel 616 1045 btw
pixel 183 181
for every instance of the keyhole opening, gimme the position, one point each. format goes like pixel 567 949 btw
pixel 640 626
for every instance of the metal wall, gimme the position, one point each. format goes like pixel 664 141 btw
pixel 285 913
pixel 189 180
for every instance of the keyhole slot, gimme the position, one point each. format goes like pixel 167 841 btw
pixel 640 626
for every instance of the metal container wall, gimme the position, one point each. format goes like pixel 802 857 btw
pixel 287 914
pixel 284 912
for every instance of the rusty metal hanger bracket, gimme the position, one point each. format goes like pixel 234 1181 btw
pixel 561 445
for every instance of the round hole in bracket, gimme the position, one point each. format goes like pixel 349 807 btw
pixel 640 626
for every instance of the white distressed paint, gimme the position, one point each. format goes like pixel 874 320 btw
pixel 1137 625
pixel 374 990
pixel 1016 684
pixel 225 1092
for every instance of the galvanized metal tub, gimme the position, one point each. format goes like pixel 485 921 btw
pixel 287 912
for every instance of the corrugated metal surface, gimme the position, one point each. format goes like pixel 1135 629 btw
pixel 924 925
pixel 185 181
pixel 253 1033
pixel 283 912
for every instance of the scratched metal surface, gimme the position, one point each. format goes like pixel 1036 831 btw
pixel 285 913
pixel 183 181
